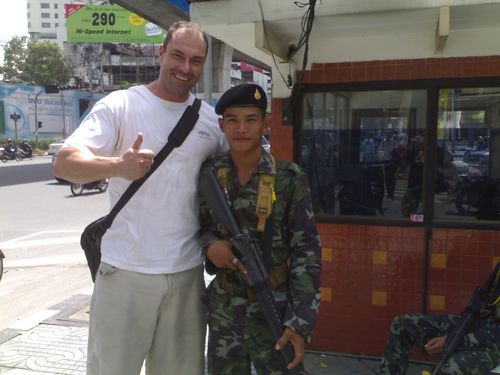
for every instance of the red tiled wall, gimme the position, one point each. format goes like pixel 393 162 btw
pixel 372 273
pixel 459 260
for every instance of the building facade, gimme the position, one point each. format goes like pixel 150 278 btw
pixel 28 112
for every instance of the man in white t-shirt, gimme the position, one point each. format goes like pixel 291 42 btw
pixel 146 301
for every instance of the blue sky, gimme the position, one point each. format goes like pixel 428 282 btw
pixel 14 21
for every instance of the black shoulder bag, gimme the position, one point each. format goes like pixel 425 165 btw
pixel 92 234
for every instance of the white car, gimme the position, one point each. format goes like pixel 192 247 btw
pixel 53 150
pixel 54 147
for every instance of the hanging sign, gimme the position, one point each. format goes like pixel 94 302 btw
pixel 109 24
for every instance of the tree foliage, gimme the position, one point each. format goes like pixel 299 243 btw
pixel 14 57
pixel 35 61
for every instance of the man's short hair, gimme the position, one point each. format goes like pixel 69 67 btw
pixel 185 25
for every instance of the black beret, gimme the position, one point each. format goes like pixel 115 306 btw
pixel 245 95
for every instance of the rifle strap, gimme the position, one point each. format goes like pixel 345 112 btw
pixel 265 196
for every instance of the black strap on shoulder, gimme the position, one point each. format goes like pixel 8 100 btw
pixel 175 139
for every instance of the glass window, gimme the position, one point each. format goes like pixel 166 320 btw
pixel 47 36
pixel 360 151
pixel 56 15
pixel 46 25
pixel 45 15
pixel 56 6
pixel 45 5
pixel 468 163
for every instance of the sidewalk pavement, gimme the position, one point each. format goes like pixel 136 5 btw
pixel 58 345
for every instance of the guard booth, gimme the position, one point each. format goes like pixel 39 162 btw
pixel 413 191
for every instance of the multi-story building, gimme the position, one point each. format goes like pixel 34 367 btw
pixel 47 21
pixel 98 66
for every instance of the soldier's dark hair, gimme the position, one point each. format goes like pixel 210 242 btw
pixel 185 25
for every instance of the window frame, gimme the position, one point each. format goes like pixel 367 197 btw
pixel 432 88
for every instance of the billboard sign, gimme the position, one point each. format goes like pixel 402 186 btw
pixel 109 24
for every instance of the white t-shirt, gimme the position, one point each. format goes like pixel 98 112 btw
pixel 156 231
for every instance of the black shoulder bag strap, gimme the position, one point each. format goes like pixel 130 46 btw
pixel 175 139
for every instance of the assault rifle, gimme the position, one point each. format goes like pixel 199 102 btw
pixel 483 297
pixel 246 251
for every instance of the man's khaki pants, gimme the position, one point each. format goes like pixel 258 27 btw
pixel 157 318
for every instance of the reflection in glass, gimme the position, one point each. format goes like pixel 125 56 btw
pixel 360 151
pixel 469 120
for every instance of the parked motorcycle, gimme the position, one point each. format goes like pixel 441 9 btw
pixel 25 150
pixel 478 196
pixel 101 185
pixel 10 153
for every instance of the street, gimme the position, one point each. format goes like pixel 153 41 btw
pixel 41 222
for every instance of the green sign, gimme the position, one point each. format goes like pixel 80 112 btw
pixel 109 24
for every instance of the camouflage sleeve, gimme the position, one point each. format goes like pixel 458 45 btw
pixel 305 261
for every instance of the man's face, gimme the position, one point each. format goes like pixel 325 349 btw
pixel 243 127
pixel 181 64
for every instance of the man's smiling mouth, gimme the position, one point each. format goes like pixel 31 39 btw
pixel 182 78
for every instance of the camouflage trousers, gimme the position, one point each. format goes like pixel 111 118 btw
pixel 474 357
pixel 239 335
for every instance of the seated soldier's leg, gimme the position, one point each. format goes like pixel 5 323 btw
pixel 477 362
pixel 408 330
pixel 479 352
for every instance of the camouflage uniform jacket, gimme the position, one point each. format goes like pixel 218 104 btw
pixel 295 238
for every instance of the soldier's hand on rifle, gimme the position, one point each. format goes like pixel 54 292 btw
pixel 297 342
pixel 221 255
pixel 485 312
pixel 435 345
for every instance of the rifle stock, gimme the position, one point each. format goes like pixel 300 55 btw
pixel 245 249
pixel 481 298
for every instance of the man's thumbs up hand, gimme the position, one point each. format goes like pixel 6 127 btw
pixel 138 142
pixel 136 162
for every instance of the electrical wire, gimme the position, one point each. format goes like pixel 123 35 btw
pixel 287 83
pixel 307 22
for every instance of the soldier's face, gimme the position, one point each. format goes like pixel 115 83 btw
pixel 244 127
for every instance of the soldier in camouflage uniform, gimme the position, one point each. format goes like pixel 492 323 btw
pixel 238 332
pixel 477 355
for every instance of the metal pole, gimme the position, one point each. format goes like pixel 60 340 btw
pixel 15 130
pixel 207 73
pixel 36 120
pixel 63 116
